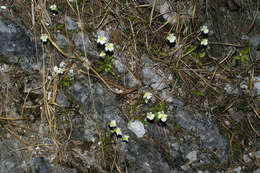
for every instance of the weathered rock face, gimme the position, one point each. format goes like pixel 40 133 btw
pixel 207 131
pixel 9 161
pixel 16 46
pixel 151 148
pixel 230 22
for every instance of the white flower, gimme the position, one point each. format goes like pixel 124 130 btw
pixel 147 96
pixel 102 54
pixel 71 72
pixel 58 70
pixel 204 29
pixel 3 7
pixel 49 96
pixel 54 8
pixel 109 47
pixel 112 124
pixel 44 37
pixel 118 132
pixel 101 39
pixel 119 91
pixel 162 116
pixel 171 38
pixel 204 42
pixel 62 64
pixel 125 138
pixel 150 116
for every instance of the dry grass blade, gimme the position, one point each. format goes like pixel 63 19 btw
pixel 102 20
pixel 33 14
pixel 19 138
pixel 194 11
pixel 200 76
pixel 151 15
pixel 168 21
pixel 226 57
pixel 251 81
pixel 133 33
pixel 117 168
pixel 253 22
pixel 251 125
pixel 255 111
pixel 11 119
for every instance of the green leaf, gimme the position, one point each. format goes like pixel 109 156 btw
pixel 202 54
pixel 237 57
pixel 245 51
pixel 199 93
pixel 162 54
pixel 58 27
pixel 191 49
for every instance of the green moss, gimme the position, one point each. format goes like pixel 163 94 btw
pixel 243 56
pixel 64 81
pixel 105 65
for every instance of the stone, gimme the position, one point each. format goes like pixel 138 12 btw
pixel 16 45
pixel 62 99
pixel 79 39
pixel 81 94
pixel 257 85
pixel 192 156
pixel 61 40
pixel 131 82
pixel 206 130
pixel 9 161
pixel 150 77
pixel 84 129
pixel 119 67
pixel 40 165
pixel 257 170
pixel 254 42
pixel 258 154
pixel 71 24
pixel 237 169
pixel 246 158
pixel 137 127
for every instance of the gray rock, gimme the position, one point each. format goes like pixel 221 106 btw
pixel 255 46
pixel 80 39
pixel 16 46
pixel 137 127
pixel 71 24
pixel 84 129
pixel 150 77
pixel 257 85
pixel 246 158
pixel 192 156
pixel 143 157
pixel 61 40
pixel 119 67
pixel 63 169
pixel 258 154
pixel 82 95
pixel 131 82
pixel 40 165
pixel 31 83
pixel 257 170
pixel 206 130
pixel 230 90
pixel 9 161
pixel 237 169
pixel 62 99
